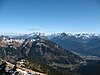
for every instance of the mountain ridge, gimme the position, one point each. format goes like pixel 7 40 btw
pixel 77 35
pixel 80 43
pixel 41 54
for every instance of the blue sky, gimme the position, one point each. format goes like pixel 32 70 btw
pixel 71 16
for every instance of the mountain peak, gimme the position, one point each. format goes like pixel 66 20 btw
pixel 63 34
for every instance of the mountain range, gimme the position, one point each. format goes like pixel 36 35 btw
pixel 54 54
pixel 81 44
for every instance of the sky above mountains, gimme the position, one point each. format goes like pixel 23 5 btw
pixel 72 16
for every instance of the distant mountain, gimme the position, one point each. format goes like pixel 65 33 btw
pixel 32 35
pixel 40 54
pixel 85 44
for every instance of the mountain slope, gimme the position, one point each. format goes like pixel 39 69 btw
pixel 84 44
pixel 50 54
pixel 39 54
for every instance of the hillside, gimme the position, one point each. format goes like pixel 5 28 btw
pixel 92 68
pixel 50 54
pixel 40 55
